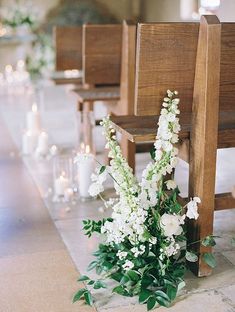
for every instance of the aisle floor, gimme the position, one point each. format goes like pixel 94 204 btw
pixel 35 267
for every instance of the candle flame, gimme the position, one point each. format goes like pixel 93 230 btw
pixel 87 149
pixel 8 68
pixel 34 108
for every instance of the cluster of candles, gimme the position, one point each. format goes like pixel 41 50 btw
pixel 34 139
pixel 62 175
pixel 14 81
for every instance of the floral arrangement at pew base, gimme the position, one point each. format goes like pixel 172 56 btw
pixel 144 245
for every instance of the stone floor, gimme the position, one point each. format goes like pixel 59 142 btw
pixel 38 250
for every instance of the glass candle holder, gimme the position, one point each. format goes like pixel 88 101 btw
pixel 85 130
pixel 63 178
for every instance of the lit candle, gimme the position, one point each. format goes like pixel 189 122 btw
pixel 20 66
pixel 33 119
pixel 85 164
pixel 54 150
pixel 61 185
pixel 42 148
pixel 8 73
pixel 29 142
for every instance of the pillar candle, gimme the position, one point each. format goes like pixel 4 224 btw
pixel 42 147
pixel 61 185
pixel 29 142
pixel 85 165
pixel 33 120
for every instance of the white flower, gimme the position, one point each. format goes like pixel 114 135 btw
pixel 121 254
pixel 95 189
pixel 192 212
pixel 128 265
pixel 153 240
pixel 170 184
pixel 171 224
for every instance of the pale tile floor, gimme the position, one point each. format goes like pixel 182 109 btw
pixel 215 293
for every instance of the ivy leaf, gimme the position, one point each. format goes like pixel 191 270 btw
pixel 151 303
pixel 120 290
pixel 144 295
pixel 163 302
pixel 133 275
pixel 99 284
pixel 233 241
pixel 92 265
pixel 83 278
pixel 102 169
pixel 117 276
pixel 180 286
pixel 209 241
pixel 79 294
pixel 190 256
pixel 160 293
pixel 209 259
pixel 125 279
pixel 88 298
pixel 171 292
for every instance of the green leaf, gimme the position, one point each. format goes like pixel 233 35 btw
pixel 233 241
pixel 83 278
pixel 88 298
pixel 161 293
pixel 153 153
pixel 99 284
pixel 125 279
pixel 102 169
pixel 119 290
pixel 163 302
pixel 209 241
pixel 92 265
pixel 180 286
pixel 144 295
pixel 190 256
pixel 209 259
pixel 171 292
pixel 146 281
pixel 133 275
pixel 79 294
pixel 151 303
pixel 117 276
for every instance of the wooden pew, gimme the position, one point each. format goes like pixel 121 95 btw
pixel 181 57
pixel 68 48
pixel 101 64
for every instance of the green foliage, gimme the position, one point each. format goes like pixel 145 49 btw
pixel 209 259
pixel 209 241
pixel 233 241
pixel 102 169
pixel 85 295
pixel 191 256
pixel 91 226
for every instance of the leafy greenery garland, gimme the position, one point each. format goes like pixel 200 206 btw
pixel 153 266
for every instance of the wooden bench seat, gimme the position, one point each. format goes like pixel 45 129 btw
pixel 97 94
pixel 141 129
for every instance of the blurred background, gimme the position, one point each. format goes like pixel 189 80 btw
pixel 26 26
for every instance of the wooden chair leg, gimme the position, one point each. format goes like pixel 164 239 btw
pixel 203 144
pixel 128 151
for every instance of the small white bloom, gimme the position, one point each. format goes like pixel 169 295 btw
pixel 192 212
pixel 170 184
pixel 171 224
pixel 95 189
pixel 121 254
pixel 128 265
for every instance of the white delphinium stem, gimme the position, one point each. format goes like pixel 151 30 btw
pixel 165 153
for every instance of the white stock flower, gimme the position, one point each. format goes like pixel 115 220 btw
pixel 121 254
pixel 171 185
pixel 192 208
pixel 171 224
pixel 128 265
pixel 95 189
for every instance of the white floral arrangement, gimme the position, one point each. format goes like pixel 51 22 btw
pixel 18 14
pixel 40 62
pixel 144 246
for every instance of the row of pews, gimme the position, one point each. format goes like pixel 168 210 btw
pixel 133 66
